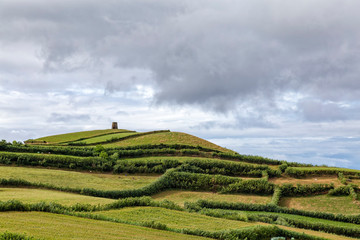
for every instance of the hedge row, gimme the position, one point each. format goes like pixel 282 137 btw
pixel 276 196
pixel 273 218
pixel 250 186
pixel 271 208
pixel 315 171
pixel 58 161
pixel 15 236
pixel 289 189
pixel 90 151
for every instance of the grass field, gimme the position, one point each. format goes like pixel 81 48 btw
pixel 322 203
pixel 167 138
pixel 183 159
pixel 294 181
pixel 69 137
pixel 317 234
pixel 107 137
pixel 28 195
pixel 55 226
pixel 73 179
pixel 180 197
pixel 174 219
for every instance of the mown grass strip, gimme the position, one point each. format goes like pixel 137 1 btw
pixel 70 227
pixel 28 195
pixel 72 179
pixel 68 137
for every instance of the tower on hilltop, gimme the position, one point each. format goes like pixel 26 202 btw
pixel 114 125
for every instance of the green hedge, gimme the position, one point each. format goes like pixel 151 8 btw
pixel 289 189
pixel 250 186
pixel 58 161
pixel 271 208
pixel 316 171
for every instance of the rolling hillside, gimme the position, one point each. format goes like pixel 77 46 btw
pixel 122 184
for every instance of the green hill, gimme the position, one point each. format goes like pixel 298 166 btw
pixel 121 184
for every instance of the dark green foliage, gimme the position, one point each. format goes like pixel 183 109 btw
pixel 247 158
pixel 342 178
pixel 58 161
pixel 250 186
pixel 303 172
pixel 340 191
pixel 290 190
pixel 14 236
pixel 145 166
pixel 276 196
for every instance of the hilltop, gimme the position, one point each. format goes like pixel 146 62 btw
pixel 121 184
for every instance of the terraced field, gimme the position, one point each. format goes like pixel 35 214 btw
pixel 180 197
pixel 322 203
pixel 69 137
pixel 168 185
pixel 27 195
pixel 54 226
pixel 72 179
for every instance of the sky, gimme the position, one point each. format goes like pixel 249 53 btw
pixel 274 78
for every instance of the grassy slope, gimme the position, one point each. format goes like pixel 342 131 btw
pixel 294 181
pixel 180 197
pixel 54 226
pixel 318 234
pixel 322 203
pixel 107 137
pixel 73 179
pixel 67 137
pixel 37 195
pixel 183 159
pixel 174 219
pixel 167 138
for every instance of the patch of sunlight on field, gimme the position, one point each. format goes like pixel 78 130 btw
pixel 55 226
pixel 29 195
pixel 322 203
pixel 174 219
pixel 74 179
pixel 180 197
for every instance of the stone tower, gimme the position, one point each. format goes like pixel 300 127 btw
pixel 114 125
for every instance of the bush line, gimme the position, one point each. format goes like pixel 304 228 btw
pixel 196 206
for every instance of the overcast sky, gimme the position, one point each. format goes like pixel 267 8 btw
pixel 274 78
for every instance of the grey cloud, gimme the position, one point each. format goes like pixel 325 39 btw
pixel 207 53
pixel 317 111
pixel 58 117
